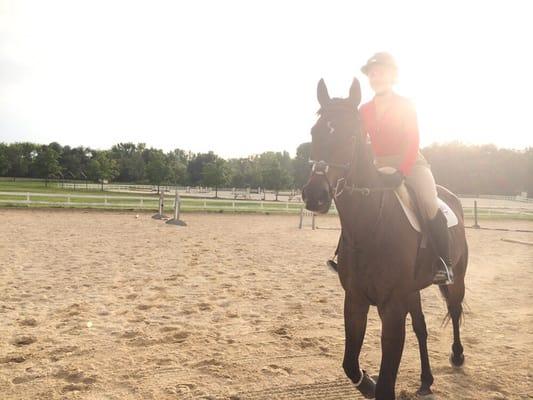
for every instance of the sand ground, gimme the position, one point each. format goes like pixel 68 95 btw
pixel 104 305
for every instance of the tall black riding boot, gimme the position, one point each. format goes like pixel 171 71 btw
pixel 438 227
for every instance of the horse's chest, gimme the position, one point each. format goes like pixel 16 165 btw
pixel 367 272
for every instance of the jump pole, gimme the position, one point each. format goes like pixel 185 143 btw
pixel 160 214
pixel 476 225
pixel 303 212
pixel 176 220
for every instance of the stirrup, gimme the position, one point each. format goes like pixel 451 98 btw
pixel 444 275
pixel 332 264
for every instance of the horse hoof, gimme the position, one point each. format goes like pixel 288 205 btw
pixel 367 387
pixel 425 394
pixel 457 361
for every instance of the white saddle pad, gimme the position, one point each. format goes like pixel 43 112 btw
pixel 407 205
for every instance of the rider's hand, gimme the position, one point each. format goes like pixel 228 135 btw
pixel 392 180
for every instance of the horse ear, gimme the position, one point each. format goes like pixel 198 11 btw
pixel 355 93
pixel 322 93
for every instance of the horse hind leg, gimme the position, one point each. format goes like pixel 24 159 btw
pixel 454 295
pixel 455 309
pixel 419 326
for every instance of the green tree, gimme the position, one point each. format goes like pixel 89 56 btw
pixel 215 174
pixel 102 167
pixel 47 163
pixel 301 166
pixel 528 184
pixel 244 172
pixel 196 165
pixel 177 161
pixel 4 159
pixel 74 161
pixel 158 169
pixel 275 171
pixel 130 160
pixel 20 159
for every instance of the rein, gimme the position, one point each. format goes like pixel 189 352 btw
pixel 322 167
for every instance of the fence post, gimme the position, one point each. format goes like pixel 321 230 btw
pixel 28 198
pixel 105 199
pixel 233 204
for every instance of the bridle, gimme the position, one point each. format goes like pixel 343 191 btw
pixel 321 167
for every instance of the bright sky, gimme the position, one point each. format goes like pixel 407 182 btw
pixel 239 77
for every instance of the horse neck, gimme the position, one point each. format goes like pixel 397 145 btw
pixel 359 213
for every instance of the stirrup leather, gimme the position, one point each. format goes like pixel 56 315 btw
pixel 444 274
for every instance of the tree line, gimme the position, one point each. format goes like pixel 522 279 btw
pixel 466 169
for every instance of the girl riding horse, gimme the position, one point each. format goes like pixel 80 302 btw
pixel 390 123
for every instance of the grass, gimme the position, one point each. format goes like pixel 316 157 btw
pixel 119 200
pixel 41 187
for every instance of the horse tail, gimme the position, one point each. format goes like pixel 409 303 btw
pixel 445 292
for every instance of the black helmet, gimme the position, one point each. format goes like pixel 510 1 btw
pixel 382 58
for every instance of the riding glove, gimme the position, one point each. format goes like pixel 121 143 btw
pixel 392 180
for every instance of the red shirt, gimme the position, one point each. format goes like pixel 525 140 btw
pixel 396 133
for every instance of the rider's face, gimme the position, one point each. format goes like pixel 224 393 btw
pixel 381 78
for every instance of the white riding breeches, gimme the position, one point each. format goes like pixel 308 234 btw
pixel 423 184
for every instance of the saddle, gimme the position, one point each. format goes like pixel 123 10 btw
pixel 409 205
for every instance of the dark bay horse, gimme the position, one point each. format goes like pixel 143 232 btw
pixel 381 261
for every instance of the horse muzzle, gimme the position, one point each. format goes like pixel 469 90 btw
pixel 316 196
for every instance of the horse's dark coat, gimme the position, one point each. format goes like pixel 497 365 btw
pixel 380 260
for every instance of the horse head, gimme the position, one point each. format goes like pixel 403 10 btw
pixel 336 136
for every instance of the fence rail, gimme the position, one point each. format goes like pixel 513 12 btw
pixel 145 202
pixel 501 207
pixel 497 197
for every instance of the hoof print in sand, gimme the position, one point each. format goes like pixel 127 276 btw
pixel 178 337
pixel 13 358
pixel 23 340
pixel 28 322
pixel 283 332
pixel 25 378
pixel 274 369
pixel 76 379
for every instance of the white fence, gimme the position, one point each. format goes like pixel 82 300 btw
pixel 486 207
pixel 197 191
pixel 519 198
pixel 149 202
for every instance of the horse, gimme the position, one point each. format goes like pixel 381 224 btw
pixel 381 258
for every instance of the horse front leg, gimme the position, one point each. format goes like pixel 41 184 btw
pixel 419 326
pixel 355 316
pixel 393 315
